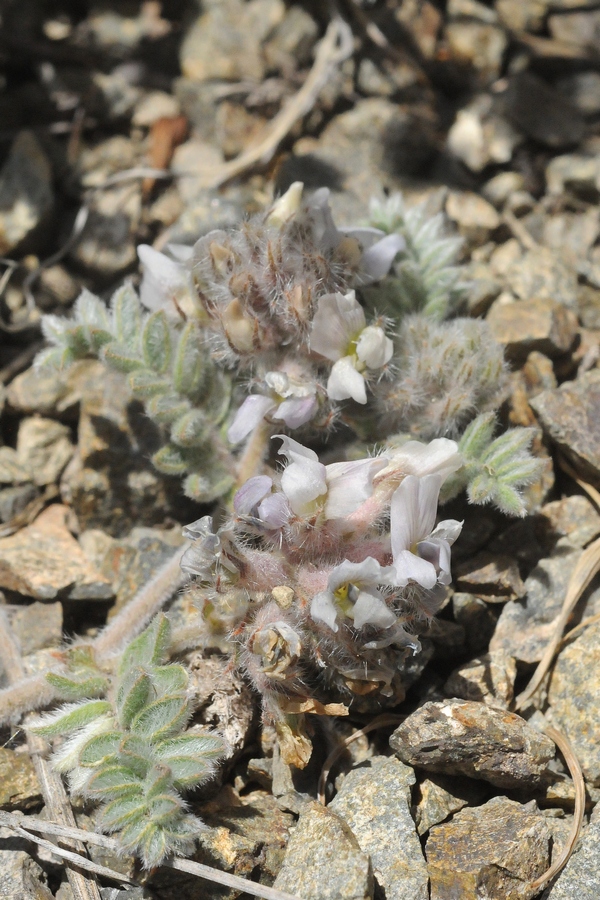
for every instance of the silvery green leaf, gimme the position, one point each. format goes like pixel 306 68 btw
pixel 170 460
pixel 208 746
pixel 166 408
pixel 70 717
pixel 54 358
pixel 127 316
pixel 136 753
pixel 100 749
pixel 171 679
pixel 112 782
pixel 209 487
pixel 77 341
pixel 158 780
pixel 188 771
pixel 191 429
pixel 120 357
pixel 161 718
pixel 156 342
pixel 73 689
pixel 164 808
pixel 91 311
pixel 144 383
pixel 54 328
pixel 150 647
pixel 132 695
pixel 122 811
pixel 190 363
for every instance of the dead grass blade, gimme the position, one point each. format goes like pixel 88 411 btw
pixel 585 570
pixel 380 722
pixel 572 762
pixel 25 824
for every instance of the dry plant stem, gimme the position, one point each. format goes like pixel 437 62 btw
pixel 336 46
pixel 572 762
pixel 380 722
pixel 254 453
pixel 25 824
pixel 585 570
pixel 519 231
pixel 138 612
pixel 590 490
pixel 24 696
pixel 53 790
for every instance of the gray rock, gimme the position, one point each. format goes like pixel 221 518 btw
pixel 13 500
pixel 292 41
pixel 574 517
pixel 525 626
pixel 541 324
pixel 579 28
pixel 542 113
pixel 477 618
pixel 324 860
pixel 462 737
pixel 522 15
pixel 26 195
pixel 44 448
pixel 588 306
pixel 21 878
pixel 479 45
pixel 490 575
pixel 375 802
pixel 12 471
pixel 581 876
pixel 574 698
pixel 440 796
pixel 489 679
pixel 575 172
pixel 500 187
pixel 570 416
pixel 583 90
pixel 225 41
pixel 37 625
pixel 19 787
pixel 495 850
pixel 475 217
pixel 107 245
pixel 571 235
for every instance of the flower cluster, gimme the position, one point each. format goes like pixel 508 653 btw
pixel 323 576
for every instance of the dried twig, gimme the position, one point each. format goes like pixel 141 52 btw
pixel 585 570
pixel 381 721
pixel 572 762
pixel 336 46
pixel 53 791
pixel 25 824
pixel 590 490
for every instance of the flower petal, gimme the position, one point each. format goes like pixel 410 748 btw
pixel 373 347
pixel 377 260
pixel 162 280
pixel 303 480
pixel 349 484
pixel 296 411
pixel 322 609
pixel 251 412
pixel 413 510
pixel 448 530
pixel 338 320
pixel 410 567
pixel 251 493
pixel 370 609
pixel 365 572
pixel 345 382
pixel 274 511
pixel 439 457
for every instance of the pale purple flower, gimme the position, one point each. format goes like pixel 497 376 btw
pixel 256 501
pixel 421 553
pixel 291 401
pixel 335 490
pixel 377 250
pixel 352 592
pixel 339 332
pixel 439 457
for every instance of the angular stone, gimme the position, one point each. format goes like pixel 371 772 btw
pixel 583 90
pixel 44 447
pixel 494 850
pixel 225 41
pixel 574 698
pixel 541 112
pixel 575 172
pixel 324 860
pixel 570 415
pixel 19 787
pixel 462 737
pixel 490 575
pixel 475 217
pixel 489 679
pixel 375 802
pixel 12 470
pixel 477 618
pixel 527 325
pixel 37 626
pixel 479 136
pixel 574 517
pixel 13 500
pixel 21 878
pixel 440 796
pixel 44 560
pixel 581 876
pixel 526 626
pixel 26 195
pixel 541 274
pixel 571 235
pixel 579 28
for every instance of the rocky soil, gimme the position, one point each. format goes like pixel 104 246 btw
pixel 488 111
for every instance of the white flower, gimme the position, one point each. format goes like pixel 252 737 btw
pixel 291 401
pixel 352 592
pixel 421 553
pixel 165 282
pixel 340 333
pixel 439 457
pixel 335 490
pixel 375 251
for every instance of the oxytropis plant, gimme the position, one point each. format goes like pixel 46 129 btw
pixel 133 753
